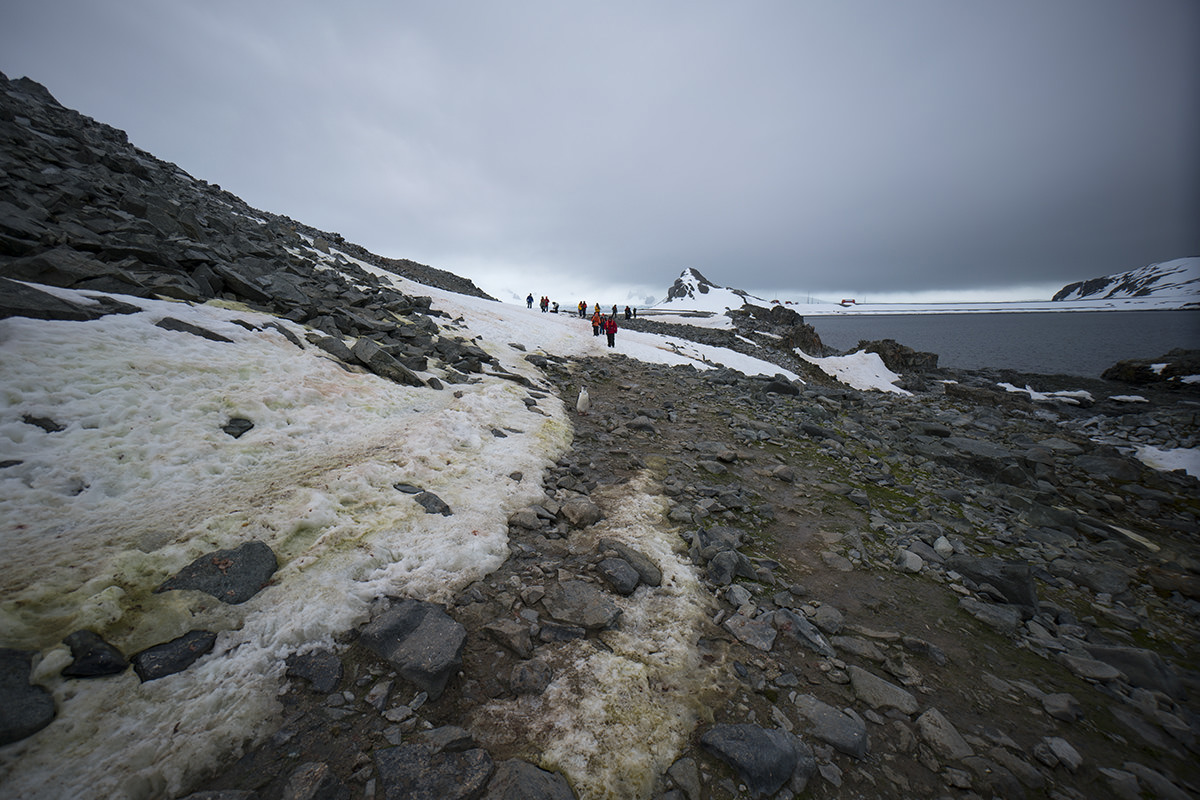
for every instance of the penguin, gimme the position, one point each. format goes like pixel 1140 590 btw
pixel 584 401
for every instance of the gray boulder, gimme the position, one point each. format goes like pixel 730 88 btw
pixel 941 735
pixel 173 656
pixel 647 570
pixel 1110 578
pixel 314 780
pixel 322 668
pixel 1144 668
pixel 422 772
pixel 845 733
pixel 519 780
pixel 794 625
pixel 619 574
pixel 878 693
pixel 421 641
pixel 581 512
pixel 579 603
pixel 93 657
pixel 231 576
pixel 25 708
pixel 1013 579
pixel 374 358
pixel 764 758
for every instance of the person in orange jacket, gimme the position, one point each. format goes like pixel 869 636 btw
pixel 596 323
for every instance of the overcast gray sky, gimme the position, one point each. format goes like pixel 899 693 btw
pixel 990 149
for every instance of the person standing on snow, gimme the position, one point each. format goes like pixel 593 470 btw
pixel 610 330
pixel 596 324
pixel 529 300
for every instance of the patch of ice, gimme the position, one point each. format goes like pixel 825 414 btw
pixel 1186 459
pixel 862 370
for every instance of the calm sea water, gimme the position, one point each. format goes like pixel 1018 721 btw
pixel 1063 342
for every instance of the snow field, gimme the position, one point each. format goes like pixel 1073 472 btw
pixel 142 480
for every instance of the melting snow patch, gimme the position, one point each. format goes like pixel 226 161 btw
pixel 1184 458
pixel 614 721
pixel 141 479
pixel 1072 397
pixel 862 370
pixel 1128 398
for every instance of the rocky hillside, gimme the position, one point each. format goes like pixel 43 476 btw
pixel 1178 278
pixel 81 207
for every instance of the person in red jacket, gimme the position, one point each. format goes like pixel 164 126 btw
pixel 610 329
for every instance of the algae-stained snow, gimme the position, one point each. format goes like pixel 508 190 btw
pixel 142 479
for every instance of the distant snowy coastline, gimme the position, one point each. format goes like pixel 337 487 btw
pixel 1169 286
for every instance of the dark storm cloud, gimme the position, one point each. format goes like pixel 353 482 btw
pixel 776 146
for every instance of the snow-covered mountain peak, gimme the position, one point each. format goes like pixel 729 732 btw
pixel 1180 277
pixel 694 292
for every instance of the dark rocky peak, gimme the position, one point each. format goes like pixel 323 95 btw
pixel 689 282
pixel 80 207
pixel 1166 279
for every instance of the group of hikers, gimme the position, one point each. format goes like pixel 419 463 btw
pixel 600 321
pixel 544 304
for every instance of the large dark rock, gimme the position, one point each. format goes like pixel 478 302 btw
pixel 582 604
pixel 374 358
pixel 173 656
pixel 797 627
pixel 322 668
pixel 764 758
pixel 1143 667
pixel 900 358
pixel 421 641
pixel 25 708
pixel 1171 368
pixel 1013 579
pixel 93 657
pixel 618 573
pixel 178 325
pixel 648 572
pixel 421 772
pixel 314 780
pixel 60 266
pixel 1109 578
pixel 231 576
pixel 519 780
pixel 21 300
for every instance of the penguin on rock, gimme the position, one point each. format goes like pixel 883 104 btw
pixel 584 402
